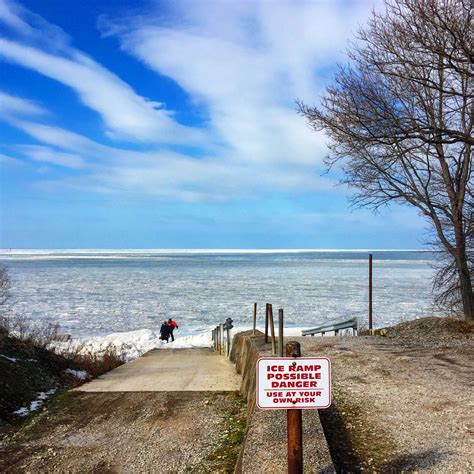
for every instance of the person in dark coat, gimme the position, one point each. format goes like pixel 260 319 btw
pixel 165 331
pixel 172 324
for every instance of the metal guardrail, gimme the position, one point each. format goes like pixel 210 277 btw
pixel 332 326
pixel 221 337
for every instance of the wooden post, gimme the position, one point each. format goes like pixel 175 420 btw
pixel 228 342
pixel 370 293
pixel 221 331
pixel 266 323
pixel 220 338
pixel 280 332
pixel 272 328
pixel 294 425
pixel 254 317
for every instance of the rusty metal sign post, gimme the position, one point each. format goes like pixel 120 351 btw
pixel 370 293
pixel 293 383
pixel 294 422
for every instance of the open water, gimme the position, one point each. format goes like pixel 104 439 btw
pixel 92 293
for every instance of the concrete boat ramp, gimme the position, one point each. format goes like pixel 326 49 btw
pixel 170 370
pixel 170 411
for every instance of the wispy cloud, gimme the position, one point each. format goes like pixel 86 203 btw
pixel 12 106
pixel 246 62
pixel 243 63
pixel 125 113
pixel 50 155
pixel 30 26
pixel 8 160
pixel 161 173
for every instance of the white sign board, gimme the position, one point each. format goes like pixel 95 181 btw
pixel 288 382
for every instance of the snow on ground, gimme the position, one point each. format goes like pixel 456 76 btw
pixel 133 344
pixel 35 404
pixel 11 359
pixel 78 374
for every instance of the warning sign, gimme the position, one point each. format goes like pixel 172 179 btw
pixel 288 382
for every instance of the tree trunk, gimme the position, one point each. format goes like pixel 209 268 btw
pixel 465 283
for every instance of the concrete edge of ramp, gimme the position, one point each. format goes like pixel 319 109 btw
pixel 264 448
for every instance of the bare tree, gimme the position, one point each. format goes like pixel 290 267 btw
pixel 400 119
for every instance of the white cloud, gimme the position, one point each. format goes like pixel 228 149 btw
pixel 55 157
pixel 243 63
pixel 13 106
pixel 164 174
pixel 10 15
pixel 125 113
pixel 247 62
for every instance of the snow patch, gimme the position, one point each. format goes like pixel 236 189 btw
pixel 78 374
pixel 35 404
pixel 11 359
pixel 133 344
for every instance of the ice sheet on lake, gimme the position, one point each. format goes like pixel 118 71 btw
pixel 126 291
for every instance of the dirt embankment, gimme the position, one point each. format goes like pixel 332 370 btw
pixel 25 371
pixel 30 371
pixel 402 402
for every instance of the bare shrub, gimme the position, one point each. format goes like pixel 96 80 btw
pixel 94 363
pixel 39 337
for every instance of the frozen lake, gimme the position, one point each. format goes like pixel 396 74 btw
pixel 93 293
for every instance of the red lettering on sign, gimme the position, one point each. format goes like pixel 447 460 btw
pixel 275 368
pixel 304 368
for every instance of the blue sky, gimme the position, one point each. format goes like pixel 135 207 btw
pixel 172 124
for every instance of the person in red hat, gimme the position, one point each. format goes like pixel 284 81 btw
pixel 173 325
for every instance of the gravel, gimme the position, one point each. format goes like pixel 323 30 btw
pixel 122 432
pixel 404 400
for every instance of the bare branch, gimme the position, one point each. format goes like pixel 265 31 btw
pixel 400 120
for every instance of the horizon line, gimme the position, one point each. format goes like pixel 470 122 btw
pixel 207 250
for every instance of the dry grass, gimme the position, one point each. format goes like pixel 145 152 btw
pixel 33 338
pixel 93 363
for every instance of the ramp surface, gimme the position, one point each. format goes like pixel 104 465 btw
pixel 170 370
